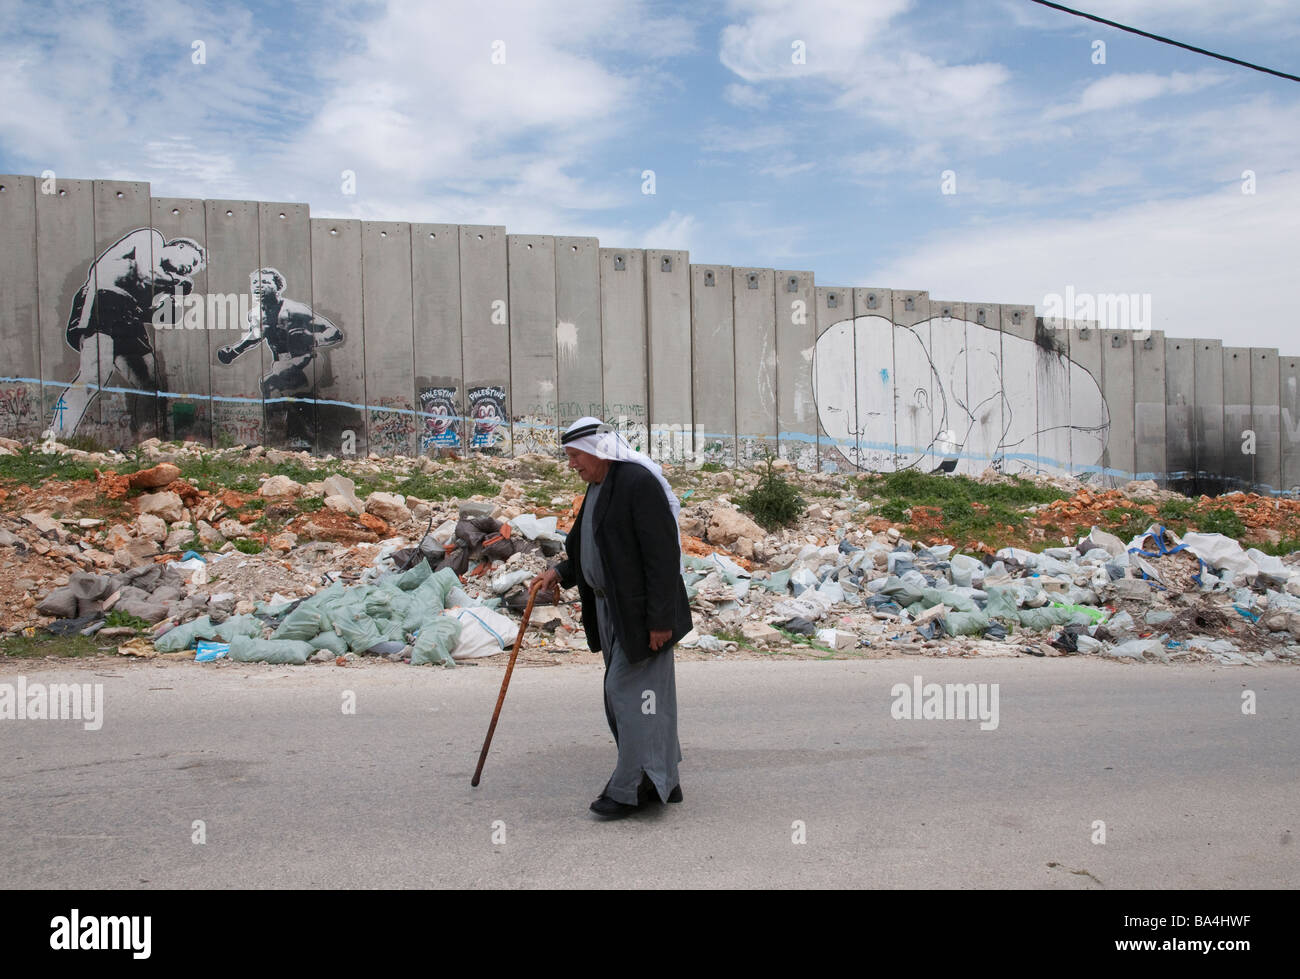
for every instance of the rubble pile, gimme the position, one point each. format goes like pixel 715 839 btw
pixel 316 569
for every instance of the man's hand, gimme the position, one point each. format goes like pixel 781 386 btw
pixel 659 638
pixel 546 581
pixel 227 354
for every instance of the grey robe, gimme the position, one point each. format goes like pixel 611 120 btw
pixel 644 728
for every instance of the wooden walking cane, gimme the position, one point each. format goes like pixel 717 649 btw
pixel 505 682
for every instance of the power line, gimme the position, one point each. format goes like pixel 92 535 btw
pixel 1166 40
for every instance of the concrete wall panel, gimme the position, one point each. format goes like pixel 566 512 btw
pixel 234 254
pixel 533 375
pixel 577 330
pixel 128 405
pixel 834 383
pixel 984 412
pixel 485 333
pixel 1265 420
pixel 1117 387
pixel 1020 359
pixel 873 358
pixel 1149 407
pixel 669 354
pixel 753 300
pixel 623 343
pixel 1052 378
pixel 713 353
pixel 1238 465
pixel 184 339
pixel 21 415
pixel 435 304
pixel 915 382
pixel 1088 435
pixel 1207 417
pixel 1289 400
pixel 1180 397
pixel 288 359
pixel 336 272
pixel 948 354
pixel 389 337
pixel 796 339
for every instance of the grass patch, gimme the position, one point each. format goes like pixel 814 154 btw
pixel 970 509
pixel 1221 520
pixel 35 647
pixel 438 487
pixel 1125 523
pixel 1281 548
pixel 249 546
pixel 310 504
pixel 119 620
pixel 34 467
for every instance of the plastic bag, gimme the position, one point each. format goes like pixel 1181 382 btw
pixel 244 649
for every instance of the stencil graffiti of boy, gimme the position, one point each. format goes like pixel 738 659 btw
pixel 107 325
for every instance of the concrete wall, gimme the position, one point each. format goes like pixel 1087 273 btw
pixel 125 316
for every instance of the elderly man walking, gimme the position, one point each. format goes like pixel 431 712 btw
pixel 624 555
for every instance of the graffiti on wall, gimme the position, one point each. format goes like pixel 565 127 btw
pixel 438 408
pixel 292 333
pixel 953 396
pixel 108 323
pixel 487 412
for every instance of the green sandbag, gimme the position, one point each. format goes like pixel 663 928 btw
pixel 239 625
pixel 185 636
pixel 358 631
pixel 1042 619
pixel 244 649
pixel 1090 615
pixel 900 591
pixel 966 623
pixel 930 597
pixel 1002 604
pixel 329 640
pixel 413 578
pixel 303 622
pixel 777 581
pixel 438 636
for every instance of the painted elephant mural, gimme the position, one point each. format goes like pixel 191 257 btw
pixel 950 395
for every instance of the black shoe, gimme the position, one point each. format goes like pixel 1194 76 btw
pixel 675 795
pixel 607 808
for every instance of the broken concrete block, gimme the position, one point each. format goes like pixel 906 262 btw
pixel 278 486
pixel 165 504
pixel 344 488
pixel 151 526
pixel 159 476
pixel 727 525
pixel 389 507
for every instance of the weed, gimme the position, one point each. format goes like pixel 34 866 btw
pixel 33 467
pixel 118 619
pixel 249 546
pixel 773 502
pixel 1221 520
pixel 311 504
pixel 712 467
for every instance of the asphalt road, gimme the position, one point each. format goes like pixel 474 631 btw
pixel 294 792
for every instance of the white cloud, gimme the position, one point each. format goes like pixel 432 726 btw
pixel 745 97
pixel 1212 263
pixel 1120 90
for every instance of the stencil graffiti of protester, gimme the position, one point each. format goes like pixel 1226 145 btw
pixel 107 325
pixel 292 332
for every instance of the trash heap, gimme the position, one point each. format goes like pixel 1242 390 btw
pixel 288 571
pixel 1156 598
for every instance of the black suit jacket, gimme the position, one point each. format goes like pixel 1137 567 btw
pixel 637 537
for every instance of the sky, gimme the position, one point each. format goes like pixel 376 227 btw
pixel 796 134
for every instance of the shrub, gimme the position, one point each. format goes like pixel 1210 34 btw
pixel 773 502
